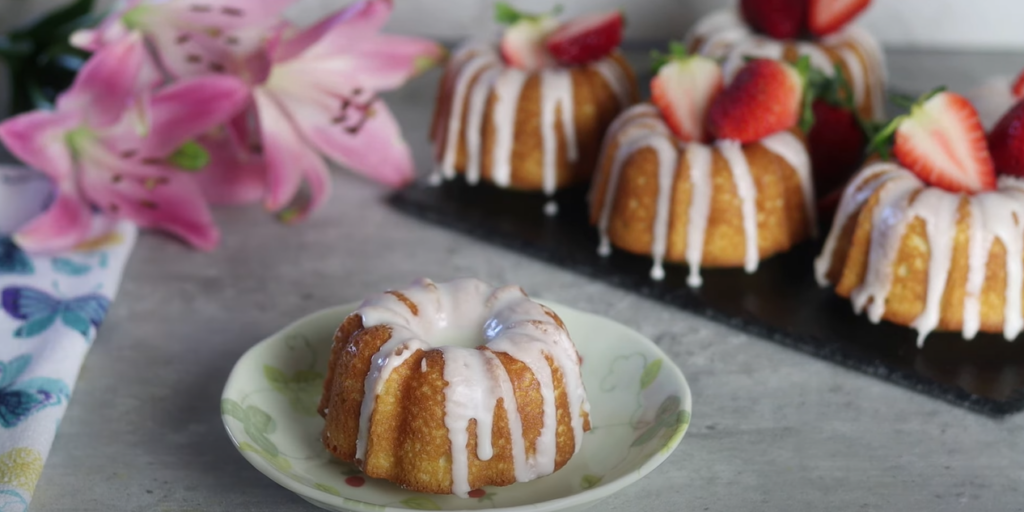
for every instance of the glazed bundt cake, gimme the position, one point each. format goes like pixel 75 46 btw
pixel 934 240
pixel 666 189
pixel 519 118
pixel 725 36
pixel 449 387
pixel 819 30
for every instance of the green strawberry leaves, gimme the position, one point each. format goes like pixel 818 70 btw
pixel 505 14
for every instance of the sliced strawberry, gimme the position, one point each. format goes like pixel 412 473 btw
pixel 586 39
pixel 1018 86
pixel 828 16
pixel 836 144
pixel 683 90
pixel 522 45
pixel 1006 142
pixel 780 19
pixel 765 97
pixel 942 141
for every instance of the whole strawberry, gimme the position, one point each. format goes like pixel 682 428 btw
pixel 765 97
pixel 780 19
pixel 1006 142
pixel 836 143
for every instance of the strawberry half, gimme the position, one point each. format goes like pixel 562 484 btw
pixel 942 141
pixel 683 90
pixel 765 97
pixel 1018 86
pixel 780 19
pixel 1006 142
pixel 522 45
pixel 828 16
pixel 586 39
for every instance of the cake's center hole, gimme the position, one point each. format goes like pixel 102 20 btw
pixel 458 336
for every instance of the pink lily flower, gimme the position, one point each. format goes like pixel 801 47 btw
pixel 114 149
pixel 314 94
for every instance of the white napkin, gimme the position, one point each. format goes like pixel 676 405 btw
pixel 51 308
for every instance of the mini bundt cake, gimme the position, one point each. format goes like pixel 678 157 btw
pixel 933 240
pixel 519 118
pixel 819 30
pixel 664 189
pixel 449 387
pixel 725 36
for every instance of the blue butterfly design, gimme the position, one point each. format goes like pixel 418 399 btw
pixel 40 310
pixel 20 400
pixel 13 260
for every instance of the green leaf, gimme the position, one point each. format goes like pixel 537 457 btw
pixel 258 418
pixel 649 434
pixel 307 377
pixel 589 481
pixel 421 503
pixel 676 51
pixel 668 407
pixel 52 22
pixel 275 376
pixel 329 489
pixel 506 14
pixel 650 374
pixel 229 407
pixel 190 157
pixel 279 462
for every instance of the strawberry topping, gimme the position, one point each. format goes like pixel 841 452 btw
pixel 942 141
pixel 1006 142
pixel 586 39
pixel 522 45
pixel 765 97
pixel 780 19
pixel 828 16
pixel 683 90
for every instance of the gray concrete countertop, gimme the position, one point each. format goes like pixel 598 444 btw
pixel 772 429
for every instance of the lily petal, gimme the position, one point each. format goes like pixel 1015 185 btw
pixel 375 62
pixel 235 174
pixel 228 15
pixel 107 82
pixel 189 108
pixel 37 138
pixel 366 139
pixel 65 224
pixel 152 195
pixel 361 19
pixel 289 159
pixel 110 30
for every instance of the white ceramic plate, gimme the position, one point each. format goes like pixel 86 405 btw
pixel 639 400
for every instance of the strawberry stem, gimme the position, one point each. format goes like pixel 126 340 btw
pixel 676 51
pixel 505 14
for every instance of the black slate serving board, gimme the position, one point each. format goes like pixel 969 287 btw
pixel 781 302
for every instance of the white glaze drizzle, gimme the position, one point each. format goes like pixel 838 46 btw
pixel 474 121
pixel 788 147
pixel 699 159
pixel 479 73
pixel 732 151
pixel 642 127
pixel 466 74
pixel 507 89
pixel 556 97
pixel 510 323
pixel 992 215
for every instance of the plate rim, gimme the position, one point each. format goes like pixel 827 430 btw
pixel 586 496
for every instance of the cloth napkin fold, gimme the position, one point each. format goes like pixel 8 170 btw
pixel 51 308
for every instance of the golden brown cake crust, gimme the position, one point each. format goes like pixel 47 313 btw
pixel 408 441
pixel 595 105
pixel 782 219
